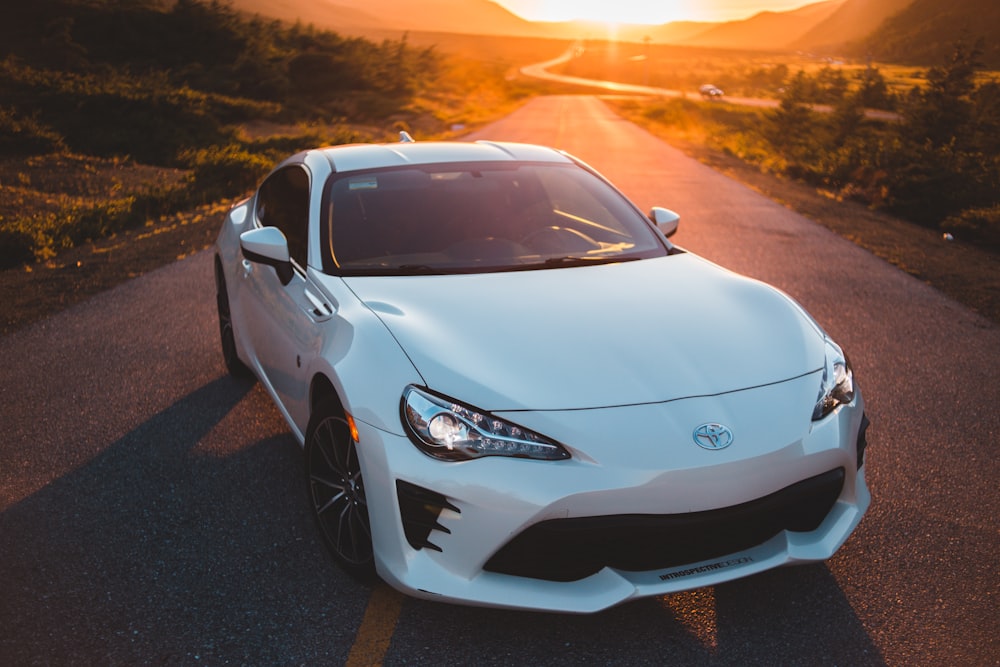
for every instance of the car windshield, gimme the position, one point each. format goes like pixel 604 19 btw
pixel 479 217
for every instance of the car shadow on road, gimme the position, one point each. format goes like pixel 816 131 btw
pixel 189 540
pixel 186 540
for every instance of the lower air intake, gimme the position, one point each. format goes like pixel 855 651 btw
pixel 572 549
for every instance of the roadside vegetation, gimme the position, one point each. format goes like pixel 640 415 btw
pixel 933 159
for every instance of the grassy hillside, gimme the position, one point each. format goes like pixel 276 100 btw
pixel 924 32
pixel 765 30
pixel 182 75
pixel 853 21
pixel 174 104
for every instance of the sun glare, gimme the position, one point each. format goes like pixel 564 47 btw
pixel 654 12
pixel 613 11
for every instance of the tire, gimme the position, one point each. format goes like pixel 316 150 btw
pixel 227 337
pixel 337 492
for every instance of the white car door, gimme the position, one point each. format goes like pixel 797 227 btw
pixel 284 318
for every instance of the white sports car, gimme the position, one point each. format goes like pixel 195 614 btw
pixel 514 391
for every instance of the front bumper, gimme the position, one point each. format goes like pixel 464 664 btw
pixel 592 532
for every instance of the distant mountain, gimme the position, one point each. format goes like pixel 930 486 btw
pixel 925 32
pixel 766 30
pixel 852 21
pixel 484 17
pixel 467 16
pixel 918 32
pixel 480 17
pixel 321 13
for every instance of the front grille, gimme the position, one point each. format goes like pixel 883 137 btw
pixel 419 509
pixel 571 549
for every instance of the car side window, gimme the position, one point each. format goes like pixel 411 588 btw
pixel 283 202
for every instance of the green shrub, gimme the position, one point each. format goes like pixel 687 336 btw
pixel 681 114
pixel 26 136
pixel 41 235
pixel 221 172
pixel 99 220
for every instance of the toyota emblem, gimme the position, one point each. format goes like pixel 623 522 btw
pixel 713 436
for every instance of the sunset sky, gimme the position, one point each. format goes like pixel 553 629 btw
pixel 646 11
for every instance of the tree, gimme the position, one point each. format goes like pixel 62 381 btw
pixel 831 86
pixel 946 162
pixel 873 93
pixel 846 119
pixel 791 129
pixel 941 113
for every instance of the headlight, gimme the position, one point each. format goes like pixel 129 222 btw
pixel 838 382
pixel 450 431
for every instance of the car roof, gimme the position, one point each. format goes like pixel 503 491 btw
pixel 355 157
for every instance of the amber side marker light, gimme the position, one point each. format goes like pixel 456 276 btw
pixel 353 427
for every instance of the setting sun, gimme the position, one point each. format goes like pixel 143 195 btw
pixel 622 11
pixel 644 11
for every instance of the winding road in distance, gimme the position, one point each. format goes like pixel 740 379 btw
pixel 541 71
pixel 153 510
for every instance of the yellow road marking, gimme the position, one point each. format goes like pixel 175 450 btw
pixel 377 626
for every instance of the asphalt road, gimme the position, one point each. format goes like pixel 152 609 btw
pixel 153 510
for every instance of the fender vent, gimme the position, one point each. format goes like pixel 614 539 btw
pixel 419 509
pixel 863 440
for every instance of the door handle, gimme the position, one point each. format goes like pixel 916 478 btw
pixel 247 267
pixel 320 309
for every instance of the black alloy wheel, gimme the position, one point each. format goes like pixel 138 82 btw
pixel 337 491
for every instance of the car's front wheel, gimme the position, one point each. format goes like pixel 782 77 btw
pixel 337 491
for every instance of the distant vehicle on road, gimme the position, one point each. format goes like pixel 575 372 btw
pixel 514 391
pixel 709 91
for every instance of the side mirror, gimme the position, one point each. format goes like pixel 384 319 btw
pixel 268 245
pixel 665 219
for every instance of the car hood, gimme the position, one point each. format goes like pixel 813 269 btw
pixel 618 334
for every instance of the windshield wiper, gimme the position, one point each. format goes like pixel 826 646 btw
pixel 576 260
pixel 414 269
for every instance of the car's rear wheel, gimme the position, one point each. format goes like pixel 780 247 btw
pixel 228 338
pixel 337 491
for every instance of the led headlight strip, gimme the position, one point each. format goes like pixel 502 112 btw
pixel 448 430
